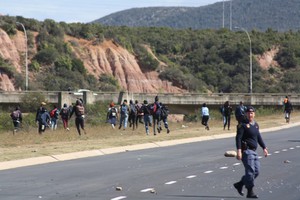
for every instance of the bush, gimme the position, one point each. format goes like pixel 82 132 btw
pixel 32 101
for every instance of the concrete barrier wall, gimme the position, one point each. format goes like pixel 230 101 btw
pixel 61 97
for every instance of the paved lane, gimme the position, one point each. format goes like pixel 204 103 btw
pixel 189 171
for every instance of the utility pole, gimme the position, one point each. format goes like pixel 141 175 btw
pixel 26 56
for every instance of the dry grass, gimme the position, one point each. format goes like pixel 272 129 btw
pixel 30 144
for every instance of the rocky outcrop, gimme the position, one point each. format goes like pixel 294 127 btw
pixel 111 58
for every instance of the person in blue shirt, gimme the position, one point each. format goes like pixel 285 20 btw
pixel 205 116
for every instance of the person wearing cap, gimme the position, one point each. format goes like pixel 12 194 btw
pixel 248 137
pixel 147 116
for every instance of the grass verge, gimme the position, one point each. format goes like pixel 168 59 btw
pixel 29 143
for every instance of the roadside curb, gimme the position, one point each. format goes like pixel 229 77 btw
pixel 92 153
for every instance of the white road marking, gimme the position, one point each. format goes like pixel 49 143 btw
pixel 170 183
pixel 277 152
pixel 191 176
pixel 236 164
pixel 119 198
pixel 297 146
pixel 223 167
pixel 208 172
pixel 284 149
pixel 292 148
pixel 147 190
pixel 259 157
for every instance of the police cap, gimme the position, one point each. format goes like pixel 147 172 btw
pixel 250 109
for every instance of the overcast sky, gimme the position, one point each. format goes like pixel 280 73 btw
pixel 83 10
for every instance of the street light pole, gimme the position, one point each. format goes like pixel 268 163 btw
pixel 26 56
pixel 223 14
pixel 250 68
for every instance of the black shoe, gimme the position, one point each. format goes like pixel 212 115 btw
pixel 239 187
pixel 251 194
pixel 158 130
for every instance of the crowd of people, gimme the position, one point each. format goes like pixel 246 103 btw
pixel 131 115
pixel 135 113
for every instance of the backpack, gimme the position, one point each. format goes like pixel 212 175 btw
pixel 65 113
pixel 54 113
pixel 123 109
pixel 15 115
pixel 79 110
pixel 164 112
pixel 113 112
pixel 133 109
pixel 139 108
pixel 152 108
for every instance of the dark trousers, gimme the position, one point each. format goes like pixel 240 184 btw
pixel 79 122
pixel 226 121
pixel 205 120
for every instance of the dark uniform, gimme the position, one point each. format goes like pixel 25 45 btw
pixel 247 139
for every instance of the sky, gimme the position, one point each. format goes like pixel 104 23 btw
pixel 83 11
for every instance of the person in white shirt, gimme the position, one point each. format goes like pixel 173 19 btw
pixel 205 116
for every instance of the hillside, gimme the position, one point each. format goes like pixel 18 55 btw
pixel 105 58
pixel 251 14
pixel 150 60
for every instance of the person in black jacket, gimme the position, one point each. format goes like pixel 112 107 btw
pixel 227 111
pixel 287 109
pixel 247 139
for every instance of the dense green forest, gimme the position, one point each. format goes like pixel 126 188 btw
pixel 251 14
pixel 197 60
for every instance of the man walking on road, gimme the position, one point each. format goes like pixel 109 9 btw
pixel 247 139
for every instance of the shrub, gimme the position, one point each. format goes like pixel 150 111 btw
pixel 31 101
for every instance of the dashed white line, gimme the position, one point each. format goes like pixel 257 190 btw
pixel 208 172
pixel 236 164
pixel 170 183
pixel 223 167
pixel 297 146
pixel 147 190
pixel 259 157
pixel 191 176
pixel 284 150
pixel 292 148
pixel 119 198
pixel 277 152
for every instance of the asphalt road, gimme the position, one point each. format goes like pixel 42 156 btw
pixel 191 171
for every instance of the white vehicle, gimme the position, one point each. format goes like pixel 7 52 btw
pixel 80 92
